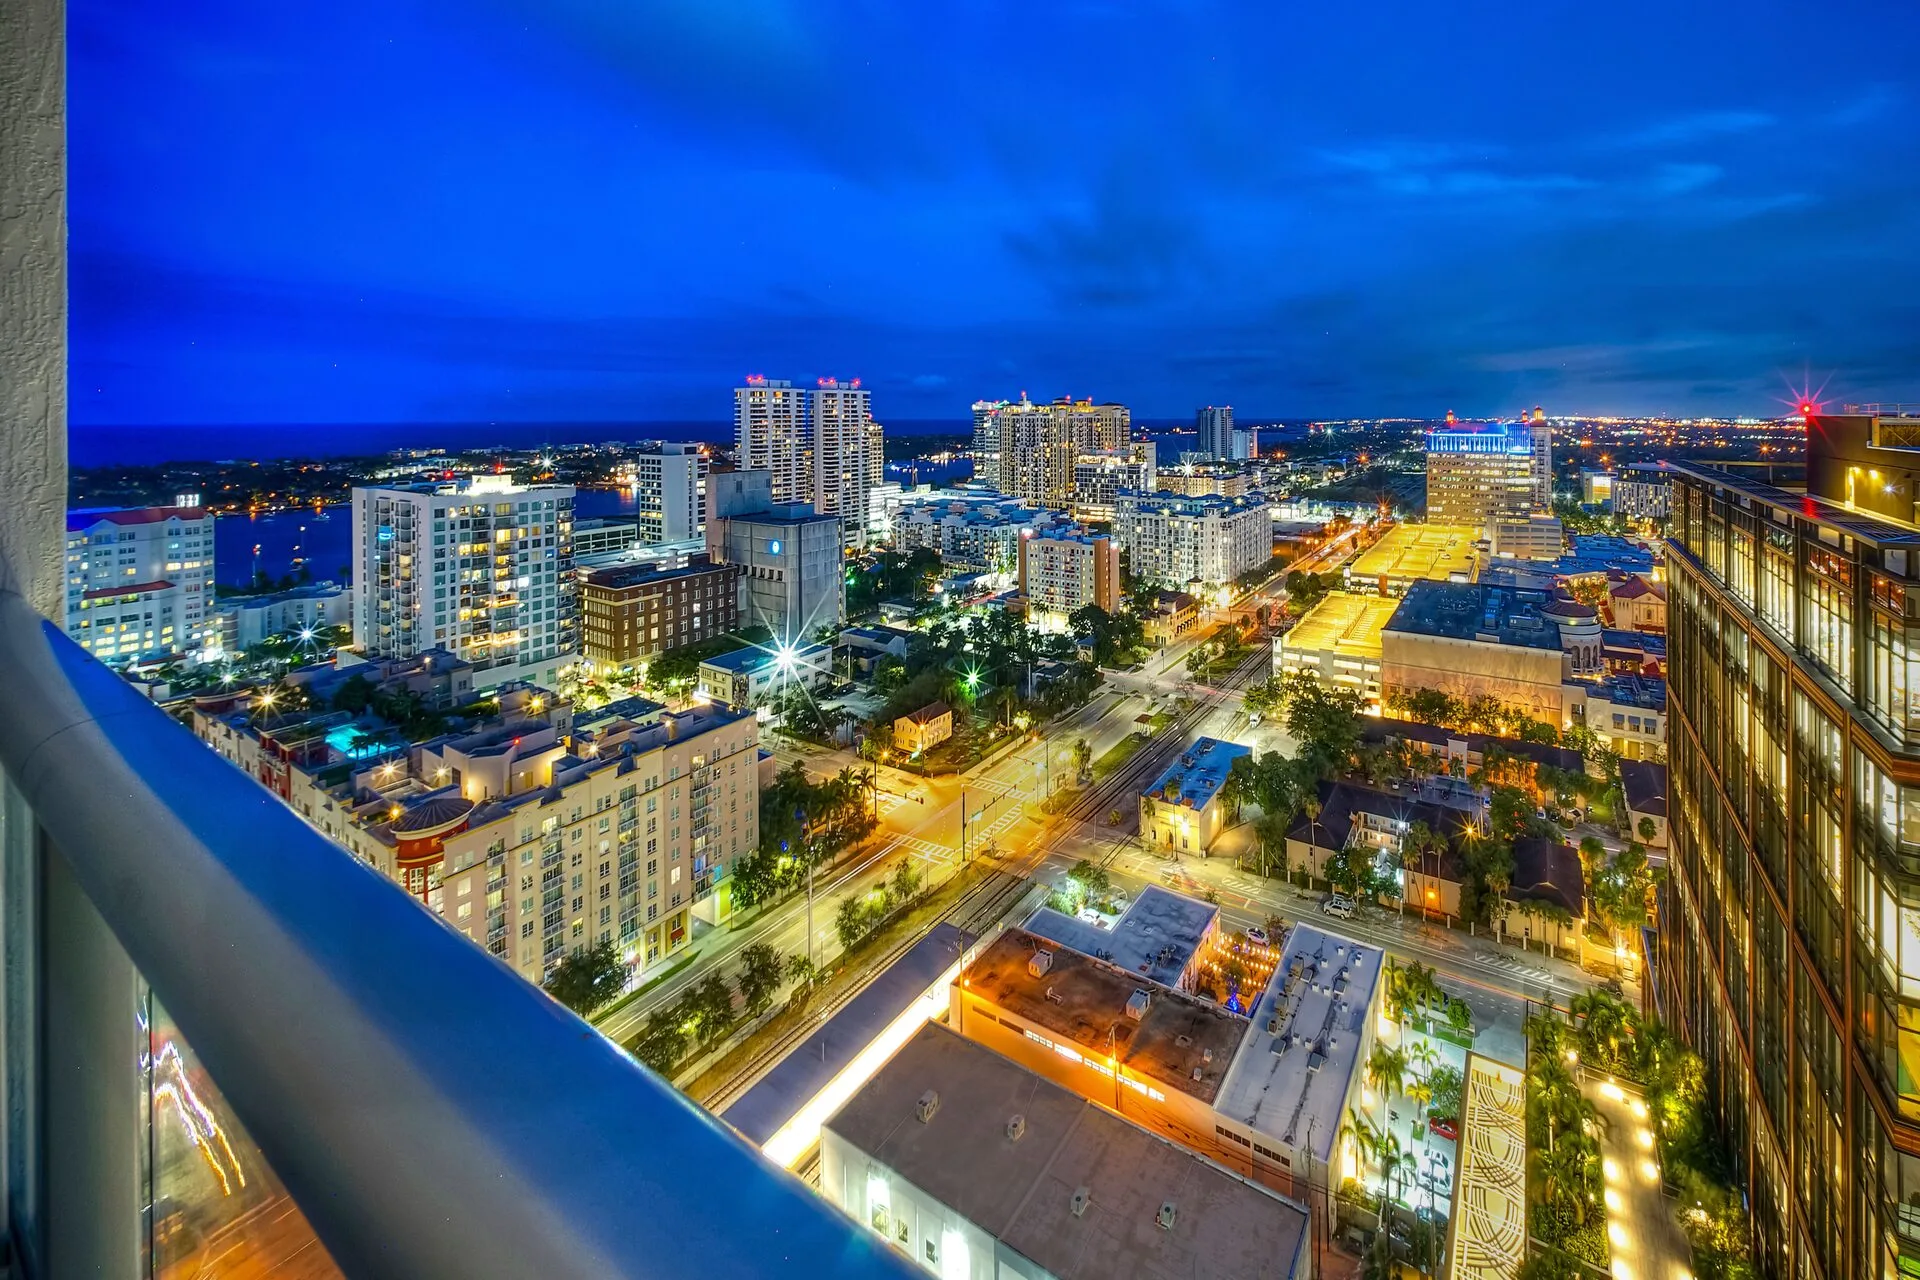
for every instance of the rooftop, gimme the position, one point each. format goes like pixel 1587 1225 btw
pixel 1199 773
pixel 81 520
pixel 1199 504
pixel 1342 803
pixel 621 577
pixel 1442 552
pixel 1488 614
pixel 1343 622
pixel 1293 1074
pixel 1082 1000
pixel 1021 1190
pixel 1629 689
pixel 1647 642
pixel 1547 870
pixel 929 713
pixel 1155 937
pixel 753 657
pixel 1644 784
pixel 778 1096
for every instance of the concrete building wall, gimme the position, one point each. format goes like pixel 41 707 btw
pixel 1529 679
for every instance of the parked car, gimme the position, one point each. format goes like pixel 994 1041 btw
pixel 1253 720
pixel 1444 1128
pixel 1336 905
pixel 1257 936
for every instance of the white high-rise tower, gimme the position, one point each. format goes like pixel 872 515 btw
pixel 770 430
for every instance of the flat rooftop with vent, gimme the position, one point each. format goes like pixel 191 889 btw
pixel 1088 1012
pixel 1157 937
pixel 975 1166
pixel 1181 811
pixel 1299 1067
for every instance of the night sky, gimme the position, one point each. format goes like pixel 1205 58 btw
pixel 570 210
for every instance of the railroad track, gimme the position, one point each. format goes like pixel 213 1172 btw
pixel 977 909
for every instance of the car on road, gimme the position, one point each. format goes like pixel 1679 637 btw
pixel 1257 936
pixel 1337 905
pixel 1253 720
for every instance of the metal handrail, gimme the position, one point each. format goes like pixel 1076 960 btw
pixel 432 1113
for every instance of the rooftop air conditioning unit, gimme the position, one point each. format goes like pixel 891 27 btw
pixel 1081 1198
pixel 1039 963
pixel 1016 1128
pixel 928 1104
pixel 1137 1005
pixel 1165 1217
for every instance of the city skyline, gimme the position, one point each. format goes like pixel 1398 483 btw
pixel 546 219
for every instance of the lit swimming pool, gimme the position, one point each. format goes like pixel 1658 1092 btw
pixel 341 740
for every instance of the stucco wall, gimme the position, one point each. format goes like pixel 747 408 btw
pixel 33 300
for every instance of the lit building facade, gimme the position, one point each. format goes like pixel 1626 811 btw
pixel 670 493
pixel 981 534
pixel 1177 540
pixel 843 436
pixel 140 581
pixel 631 613
pixel 1038 445
pixel 1789 949
pixel 770 435
pixel 619 848
pixel 1480 475
pixel 483 570
pixel 1098 478
pixel 1062 572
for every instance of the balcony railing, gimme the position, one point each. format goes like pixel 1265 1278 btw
pixel 182 949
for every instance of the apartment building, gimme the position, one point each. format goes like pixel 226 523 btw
pixel 1642 491
pixel 1477 640
pixel 670 494
pixel 631 613
pixel 1039 444
pixel 971 532
pixel 483 569
pixel 1789 947
pixel 140 581
pixel 619 847
pixel 1179 540
pixel 593 538
pixel 244 621
pixel 770 435
pixel 1098 478
pixel 844 437
pixel 1213 426
pixel 1062 572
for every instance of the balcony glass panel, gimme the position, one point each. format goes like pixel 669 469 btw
pixel 217 1209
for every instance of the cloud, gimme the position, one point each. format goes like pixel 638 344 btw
pixel 1700 126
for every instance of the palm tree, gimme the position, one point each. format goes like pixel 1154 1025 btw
pixel 1311 807
pixel 1387 1069
pixel 1422 1054
pixel 1565 1170
pixel 1413 849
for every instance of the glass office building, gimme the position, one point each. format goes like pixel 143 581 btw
pixel 1789 955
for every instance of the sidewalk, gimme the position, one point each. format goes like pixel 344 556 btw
pixel 1646 1240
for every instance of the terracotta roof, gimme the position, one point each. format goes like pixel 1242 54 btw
pixel 130 589
pixel 78 520
pixel 1635 588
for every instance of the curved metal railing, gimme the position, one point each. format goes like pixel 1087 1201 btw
pixel 432 1114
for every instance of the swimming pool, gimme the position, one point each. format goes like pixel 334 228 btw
pixel 341 740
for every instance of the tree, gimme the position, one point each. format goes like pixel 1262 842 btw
pixel 662 1042
pixel 904 884
pixel 1460 1016
pixel 1445 1085
pixel 759 977
pixel 1387 1069
pixel 850 922
pixel 1094 882
pixel 711 1004
pixel 588 978
pixel 1083 760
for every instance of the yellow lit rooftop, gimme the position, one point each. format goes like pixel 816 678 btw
pixel 1344 623
pixel 1410 552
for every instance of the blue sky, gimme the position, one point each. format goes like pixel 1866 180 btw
pixel 585 210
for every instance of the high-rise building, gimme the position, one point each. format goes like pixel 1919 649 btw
pixel 670 493
pixel 841 427
pixel 986 440
pixel 1789 944
pixel 1062 572
pixel 140 581
pixel 482 569
pixel 876 459
pixel 1039 444
pixel 1214 427
pixel 770 435
pixel 1479 475
pixel 1179 540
